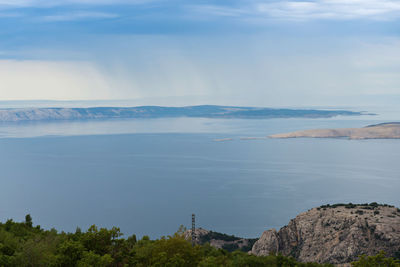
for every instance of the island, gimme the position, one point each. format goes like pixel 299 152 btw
pixel 389 130
pixel 203 111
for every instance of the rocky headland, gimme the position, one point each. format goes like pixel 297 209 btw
pixel 336 234
pixel 389 130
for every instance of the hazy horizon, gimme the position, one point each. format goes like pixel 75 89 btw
pixel 370 103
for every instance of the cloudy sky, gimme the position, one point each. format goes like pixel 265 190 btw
pixel 242 52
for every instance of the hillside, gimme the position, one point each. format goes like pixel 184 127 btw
pixel 205 111
pixel 221 241
pixel 336 234
pixel 379 131
pixel 25 245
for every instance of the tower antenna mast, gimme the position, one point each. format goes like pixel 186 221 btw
pixel 193 229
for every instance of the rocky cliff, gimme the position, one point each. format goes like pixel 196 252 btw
pixel 335 234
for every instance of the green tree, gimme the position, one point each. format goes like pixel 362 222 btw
pixel 70 252
pixel 28 220
pixel 91 259
pixel 378 260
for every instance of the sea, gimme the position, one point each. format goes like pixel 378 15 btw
pixel 148 176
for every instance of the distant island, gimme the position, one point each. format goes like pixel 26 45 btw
pixel 390 130
pixel 203 111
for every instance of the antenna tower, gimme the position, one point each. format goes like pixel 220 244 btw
pixel 193 229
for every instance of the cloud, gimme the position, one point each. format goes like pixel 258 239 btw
pixel 235 70
pixel 331 9
pixel 219 10
pixel 74 16
pixel 305 10
pixel 249 9
pixel 258 67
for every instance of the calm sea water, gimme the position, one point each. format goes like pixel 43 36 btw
pixel 149 176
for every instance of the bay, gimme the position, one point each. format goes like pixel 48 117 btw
pixel 149 176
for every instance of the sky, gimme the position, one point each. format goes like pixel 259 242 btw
pixel 180 52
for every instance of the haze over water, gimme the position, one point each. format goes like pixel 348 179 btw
pixel 148 176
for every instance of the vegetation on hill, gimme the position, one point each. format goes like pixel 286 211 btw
pixel 365 206
pixel 203 239
pixel 22 244
pixel 376 261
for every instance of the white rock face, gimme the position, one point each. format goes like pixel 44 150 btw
pixel 335 235
pixel 268 243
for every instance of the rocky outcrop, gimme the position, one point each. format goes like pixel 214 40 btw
pixel 219 240
pixel 335 234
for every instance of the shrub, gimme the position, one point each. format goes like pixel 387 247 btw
pixel 377 260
